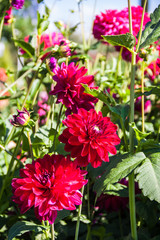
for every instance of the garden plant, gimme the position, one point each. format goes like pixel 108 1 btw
pixel 79 125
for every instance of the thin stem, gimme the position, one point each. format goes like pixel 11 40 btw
pixel 140 31
pixel 93 14
pixel 79 215
pixel 131 138
pixel 58 121
pixel 130 17
pixel 82 24
pixel 10 86
pixel 124 135
pixel 132 206
pixel 30 145
pixel 142 98
pixel 118 70
pixel 52 231
pixel 3 148
pixel 37 91
pixel 11 164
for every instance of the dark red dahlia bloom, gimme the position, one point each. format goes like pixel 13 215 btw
pixel 49 184
pixel 69 90
pixel 89 137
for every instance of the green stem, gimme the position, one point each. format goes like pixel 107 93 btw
pixel 140 31
pixel 131 139
pixel 11 165
pixel 58 121
pixel 78 217
pixel 118 70
pixel 52 231
pixel 30 145
pixel 10 86
pixel 82 24
pixel 124 135
pixel 3 148
pixel 132 206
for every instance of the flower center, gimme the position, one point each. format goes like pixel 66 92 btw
pixel 96 128
pixel 44 177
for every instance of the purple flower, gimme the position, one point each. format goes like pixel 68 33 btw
pixel 18 4
pixel 52 63
pixel 21 119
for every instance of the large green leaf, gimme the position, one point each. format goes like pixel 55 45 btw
pixel 148 177
pixel 118 169
pixel 124 40
pixel 20 228
pixel 27 47
pixel 151 33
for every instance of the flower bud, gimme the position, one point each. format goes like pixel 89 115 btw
pixel 21 119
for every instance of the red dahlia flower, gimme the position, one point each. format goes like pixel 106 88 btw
pixel 89 137
pixel 49 184
pixel 69 89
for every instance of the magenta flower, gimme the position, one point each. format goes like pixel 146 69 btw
pixel 21 119
pixel 114 22
pixel 18 4
pixel 147 105
pixel 8 16
pixel 49 184
pixel 89 137
pixel 69 90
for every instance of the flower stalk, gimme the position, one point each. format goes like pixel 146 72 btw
pixel 131 138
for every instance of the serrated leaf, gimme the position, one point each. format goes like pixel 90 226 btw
pixel 148 177
pixel 118 169
pixel 124 40
pixel 151 33
pixel 27 47
pixel 20 228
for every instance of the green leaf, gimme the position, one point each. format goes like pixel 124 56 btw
pixel 148 177
pixel 151 33
pixel 139 135
pixel 118 168
pixel 43 23
pixel 61 215
pixel 27 47
pixel 120 110
pixel 20 228
pixel 124 40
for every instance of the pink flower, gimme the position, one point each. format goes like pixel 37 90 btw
pixel 8 16
pixel 52 40
pixel 69 89
pixel 3 75
pixel 147 105
pixel 89 137
pixel 49 184
pixel 114 22
pixel 21 119
pixel 18 4
pixel 153 70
